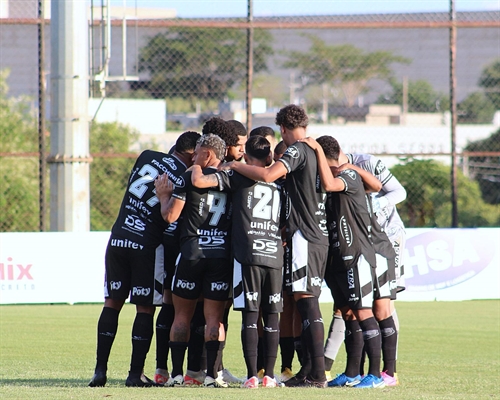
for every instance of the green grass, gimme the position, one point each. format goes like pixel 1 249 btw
pixel 448 350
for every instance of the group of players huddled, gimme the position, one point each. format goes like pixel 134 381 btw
pixel 200 229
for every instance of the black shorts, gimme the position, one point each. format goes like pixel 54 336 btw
pixel 208 276
pixel 257 287
pixel 170 261
pixel 135 270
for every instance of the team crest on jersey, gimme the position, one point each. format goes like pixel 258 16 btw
pixel 380 167
pixel 293 152
pixel 170 162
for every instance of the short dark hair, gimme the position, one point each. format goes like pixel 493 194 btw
pixel 280 148
pixel 291 117
pixel 186 141
pixel 263 131
pixel 237 127
pixel 219 127
pixel 258 147
pixel 214 142
pixel 330 147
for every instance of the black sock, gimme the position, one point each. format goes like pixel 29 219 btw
pixel 260 353
pixel 249 340
pixel 177 352
pixel 142 334
pixel 389 344
pixel 212 347
pixel 107 326
pixel 297 345
pixel 287 350
pixel 373 344
pixel 354 347
pixel 163 325
pixel 314 334
pixel 271 336
pixel 196 339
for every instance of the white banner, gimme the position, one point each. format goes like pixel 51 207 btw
pixel 67 267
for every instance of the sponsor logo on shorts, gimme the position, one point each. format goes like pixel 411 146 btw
pixel 115 285
pixel 350 278
pixel 316 281
pixel 126 244
pixel 219 286
pixel 135 223
pixel 185 284
pixel 140 291
pixel 274 298
pixel 265 246
pixel 252 296
pixel 292 151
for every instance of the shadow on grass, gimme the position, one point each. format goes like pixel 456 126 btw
pixel 53 382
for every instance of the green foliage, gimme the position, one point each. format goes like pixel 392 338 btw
pixel 428 202
pixel 421 97
pixel 200 63
pixel 490 81
pixel 475 109
pixel 108 174
pixel 344 66
pixel 487 168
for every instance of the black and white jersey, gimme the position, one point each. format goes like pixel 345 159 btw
pixel 205 226
pixel 306 208
pixel 139 219
pixel 350 224
pixel 256 234
pixel 381 242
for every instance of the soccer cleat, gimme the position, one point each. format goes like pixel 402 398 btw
pixel 142 380
pixel 175 382
pixel 261 373
pixel 251 383
pixel 370 382
pixel 218 382
pixel 312 383
pixel 99 379
pixel 343 380
pixel 229 377
pixel 161 376
pixel 194 378
pixel 269 382
pixel 389 380
pixel 295 381
pixel 286 374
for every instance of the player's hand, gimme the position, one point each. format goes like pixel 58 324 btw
pixel 225 166
pixel 343 167
pixel 311 142
pixel 164 187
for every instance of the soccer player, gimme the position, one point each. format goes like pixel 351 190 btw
pixel 266 132
pixel 258 256
pixel 134 264
pixel 307 236
pixel 177 163
pixel 236 152
pixel 203 267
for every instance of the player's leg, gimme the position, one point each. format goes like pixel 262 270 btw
pixel 286 337
pixel 196 346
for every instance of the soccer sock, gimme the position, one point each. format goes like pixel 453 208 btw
pixel 271 341
pixel 177 352
pixel 218 360
pixel 107 326
pixel 249 340
pixel 163 325
pixel 260 354
pixel 212 347
pixel 142 334
pixel 373 344
pixel 314 334
pixel 389 344
pixel 354 347
pixel 287 350
pixel 297 345
pixel 196 339
pixel 396 323
pixel 336 335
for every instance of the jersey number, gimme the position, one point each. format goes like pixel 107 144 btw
pixel 216 202
pixel 263 209
pixel 147 174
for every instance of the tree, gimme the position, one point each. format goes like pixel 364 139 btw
pixel 475 109
pixel 490 81
pixel 421 96
pixel 428 202
pixel 200 63
pixel 344 66
pixel 486 169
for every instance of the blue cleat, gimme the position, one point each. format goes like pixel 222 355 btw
pixel 343 380
pixel 370 382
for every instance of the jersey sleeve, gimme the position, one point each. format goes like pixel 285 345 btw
pixel 294 157
pixel 181 189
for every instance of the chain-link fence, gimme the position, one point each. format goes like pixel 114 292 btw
pixel 379 83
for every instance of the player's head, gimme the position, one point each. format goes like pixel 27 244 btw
pixel 236 152
pixel 279 150
pixel 330 147
pixel 217 126
pixel 266 132
pixel 258 151
pixel 185 145
pixel 293 122
pixel 210 150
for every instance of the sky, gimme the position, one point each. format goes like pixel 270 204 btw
pixel 266 8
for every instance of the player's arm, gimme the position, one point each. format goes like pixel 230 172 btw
pixel 392 192
pixel 171 207
pixel 370 182
pixel 202 181
pixel 262 174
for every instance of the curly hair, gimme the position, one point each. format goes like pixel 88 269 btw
pixel 214 143
pixel 219 127
pixel 330 147
pixel 186 141
pixel 291 117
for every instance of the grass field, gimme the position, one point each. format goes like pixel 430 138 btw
pixel 448 350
